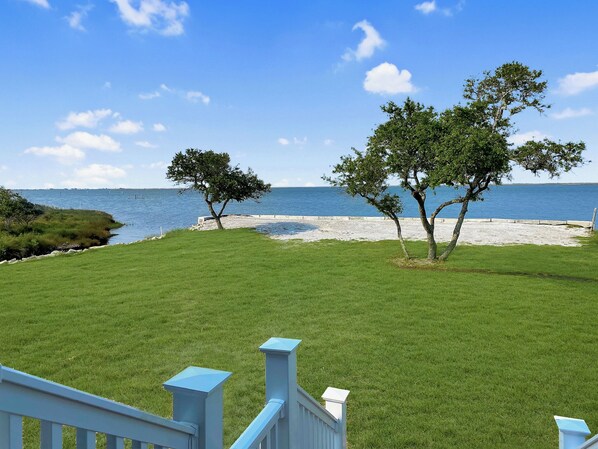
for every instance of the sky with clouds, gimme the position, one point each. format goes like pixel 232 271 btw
pixel 102 93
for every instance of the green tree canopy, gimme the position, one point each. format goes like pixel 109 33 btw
pixel 211 174
pixel 466 147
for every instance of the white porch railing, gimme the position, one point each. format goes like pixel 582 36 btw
pixel 291 418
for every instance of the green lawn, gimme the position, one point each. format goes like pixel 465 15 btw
pixel 479 352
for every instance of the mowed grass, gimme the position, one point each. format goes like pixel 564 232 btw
pixel 479 352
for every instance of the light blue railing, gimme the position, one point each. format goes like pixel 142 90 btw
pixel 22 395
pixel 263 431
pixel 573 433
pixel 291 418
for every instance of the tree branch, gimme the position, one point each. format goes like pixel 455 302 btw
pixel 443 205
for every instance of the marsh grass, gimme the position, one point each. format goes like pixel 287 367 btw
pixel 56 229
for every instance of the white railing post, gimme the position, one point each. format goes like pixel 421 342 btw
pixel 572 432
pixel 281 383
pixel 197 400
pixel 336 404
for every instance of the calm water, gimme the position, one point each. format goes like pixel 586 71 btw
pixel 144 211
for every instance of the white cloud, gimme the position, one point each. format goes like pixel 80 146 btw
pixel 149 95
pixel 107 85
pixel 75 18
pixel 429 7
pixel 297 141
pixel 100 170
pixel 388 79
pixel 196 97
pixel 3 167
pixel 95 175
pixel 164 17
pixel 571 113
pixel 65 154
pixel 282 183
pixel 85 140
pixel 159 127
pixel 87 119
pixel 578 82
pixel 370 43
pixel 166 88
pixel 426 7
pixel 283 141
pixel 521 138
pixel 156 165
pixel 145 144
pixel 127 127
pixel 42 3
pixel 309 184
pixel 328 142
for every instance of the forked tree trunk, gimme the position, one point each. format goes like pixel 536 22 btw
pixel 456 231
pixel 429 228
pixel 215 216
pixel 432 246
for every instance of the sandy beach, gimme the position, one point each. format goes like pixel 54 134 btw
pixel 474 232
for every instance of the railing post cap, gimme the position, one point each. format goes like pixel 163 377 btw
pixel 572 425
pixel 335 395
pixel 197 380
pixel 280 345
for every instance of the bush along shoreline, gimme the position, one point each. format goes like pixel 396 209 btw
pixel 29 229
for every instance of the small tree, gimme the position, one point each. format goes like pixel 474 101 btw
pixel 16 209
pixel 465 147
pixel 211 174
pixel 366 175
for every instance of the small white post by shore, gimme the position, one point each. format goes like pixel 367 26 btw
pixel 593 226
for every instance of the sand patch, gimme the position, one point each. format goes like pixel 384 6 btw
pixel 474 232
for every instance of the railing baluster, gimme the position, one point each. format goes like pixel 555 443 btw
pixel 274 436
pixel 86 439
pixel 50 435
pixel 157 447
pixel 114 442
pixel 138 445
pixel 11 431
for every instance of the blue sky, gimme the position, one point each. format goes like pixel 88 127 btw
pixel 102 93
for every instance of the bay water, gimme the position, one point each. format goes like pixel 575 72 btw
pixel 144 212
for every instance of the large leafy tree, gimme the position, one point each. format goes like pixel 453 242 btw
pixel 211 174
pixel 465 147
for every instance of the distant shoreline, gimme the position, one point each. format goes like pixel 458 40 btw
pixel 307 187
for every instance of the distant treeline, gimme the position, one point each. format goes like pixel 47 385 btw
pixel 28 229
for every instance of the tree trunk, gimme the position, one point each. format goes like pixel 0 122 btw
pixel 400 235
pixel 429 228
pixel 456 230
pixel 215 216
